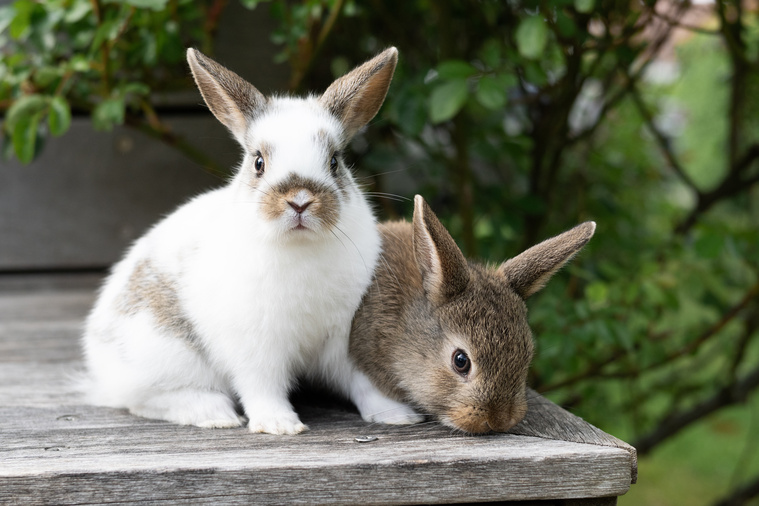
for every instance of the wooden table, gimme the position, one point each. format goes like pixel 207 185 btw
pixel 56 450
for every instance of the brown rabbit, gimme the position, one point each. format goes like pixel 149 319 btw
pixel 447 336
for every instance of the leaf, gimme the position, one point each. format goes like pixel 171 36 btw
pixel 410 113
pixel 46 76
pixel 108 31
pixel 251 4
pixel 156 5
pixel 135 88
pixel 584 6
pixel 59 118
pixel 455 69
pixel 447 99
pixel 709 245
pixel 565 25
pixel 597 293
pixel 484 228
pixel 532 36
pixel 24 136
pixel 108 113
pixel 21 22
pixel 25 106
pixel 7 13
pixel 491 93
pixel 490 53
pixel 78 11
pixel 79 63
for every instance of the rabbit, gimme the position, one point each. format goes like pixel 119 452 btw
pixel 243 291
pixel 448 337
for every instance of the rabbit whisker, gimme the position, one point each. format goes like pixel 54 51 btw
pixel 363 261
pixel 374 175
pixel 388 196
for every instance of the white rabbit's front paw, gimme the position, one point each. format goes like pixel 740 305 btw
pixel 280 423
pixel 388 411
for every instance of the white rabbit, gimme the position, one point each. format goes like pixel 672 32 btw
pixel 245 289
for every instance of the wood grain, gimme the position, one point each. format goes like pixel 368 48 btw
pixel 55 449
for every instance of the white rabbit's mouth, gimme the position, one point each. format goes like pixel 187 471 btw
pixel 300 204
pixel 298 221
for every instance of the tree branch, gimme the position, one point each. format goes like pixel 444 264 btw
pixel 741 495
pixel 662 140
pixel 309 46
pixel 631 78
pixel 732 185
pixel 677 24
pixel 733 393
pixel 596 370
pixel 694 345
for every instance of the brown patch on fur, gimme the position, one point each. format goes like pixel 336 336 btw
pixel 330 148
pixel 325 206
pixel 356 97
pixel 322 137
pixel 267 151
pixel 155 292
pixel 232 99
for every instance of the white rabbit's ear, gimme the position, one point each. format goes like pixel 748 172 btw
pixel 529 271
pixel 356 97
pixel 444 269
pixel 232 99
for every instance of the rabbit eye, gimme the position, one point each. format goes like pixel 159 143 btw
pixel 259 164
pixel 333 164
pixel 461 363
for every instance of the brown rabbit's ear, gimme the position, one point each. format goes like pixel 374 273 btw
pixel 445 272
pixel 231 98
pixel 356 97
pixel 529 271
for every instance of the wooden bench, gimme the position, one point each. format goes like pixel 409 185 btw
pixel 56 450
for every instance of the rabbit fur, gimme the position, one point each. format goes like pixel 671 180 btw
pixel 447 336
pixel 247 288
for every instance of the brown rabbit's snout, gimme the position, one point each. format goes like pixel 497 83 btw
pixel 497 418
pixel 301 203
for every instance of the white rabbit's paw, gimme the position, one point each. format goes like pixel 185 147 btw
pixel 391 412
pixel 277 423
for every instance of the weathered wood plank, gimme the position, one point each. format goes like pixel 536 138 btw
pixel 83 454
pixel 55 449
pixel 545 419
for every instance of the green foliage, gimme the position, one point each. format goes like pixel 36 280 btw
pixel 542 112
pixel 100 58
pixel 532 37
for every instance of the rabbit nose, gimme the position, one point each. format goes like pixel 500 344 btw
pixel 499 420
pixel 299 208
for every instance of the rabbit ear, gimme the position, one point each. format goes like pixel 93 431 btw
pixel 231 98
pixel 356 97
pixel 445 272
pixel 529 271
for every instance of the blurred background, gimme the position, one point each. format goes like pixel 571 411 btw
pixel 515 119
